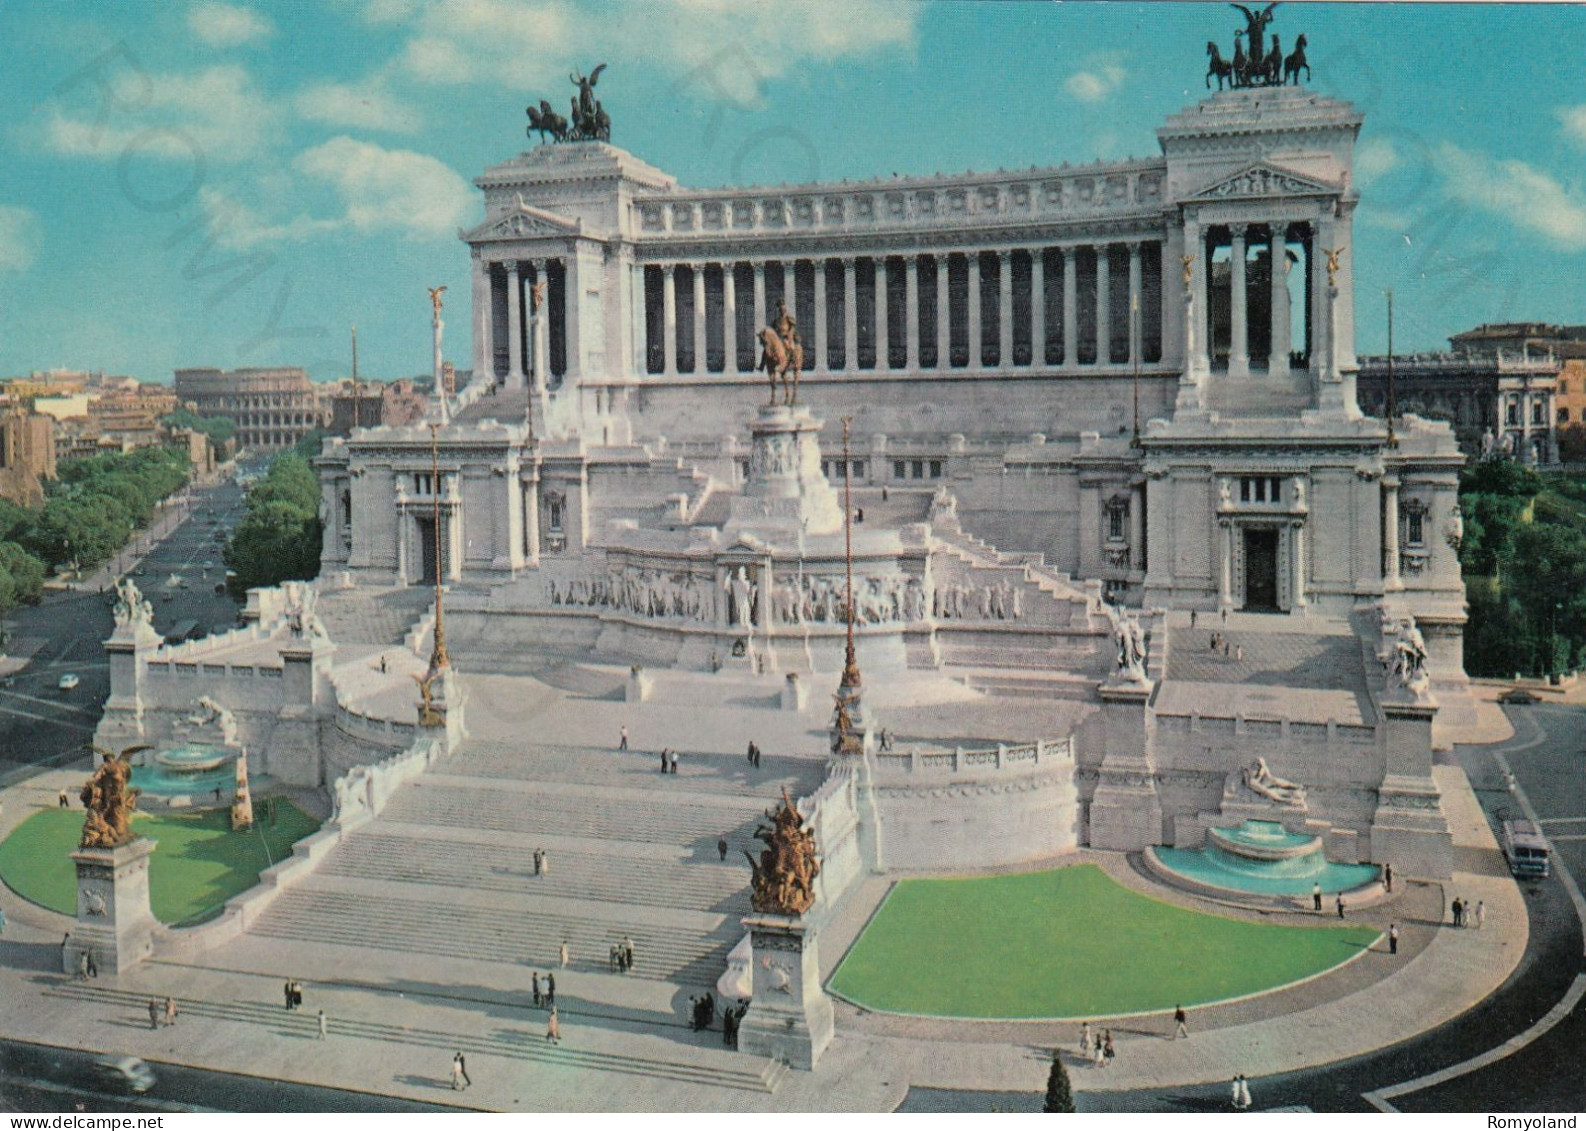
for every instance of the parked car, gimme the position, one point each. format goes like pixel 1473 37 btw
pixel 68 681
pixel 123 1074
pixel 1520 697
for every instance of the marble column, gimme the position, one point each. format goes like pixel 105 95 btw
pixel 1390 535
pixel 1103 305
pixel 1197 360
pixel 1004 309
pixel 701 361
pixel 1239 307
pixel 1038 306
pixel 944 314
pixel 1225 572
pixel 821 361
pixel 729 317
pixel 1297 564
pixel 669 319
pixel 515 374
pixel 540 328
pixel 1135 299
pixel 1137 528
pixel 976 341
pixel 1070 309
pixel 911 312
pixel 790 287
pixel 484 344
pixel 1282 333
pixel 883 348
pixel 760 320
pixel 850 316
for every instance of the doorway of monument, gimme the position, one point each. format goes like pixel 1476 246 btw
pixel 1261 569
pixel 426 537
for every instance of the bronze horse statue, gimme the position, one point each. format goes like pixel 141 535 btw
pixel 777 357
pixel 546 121
pixel 1296 63
pixel 1218 67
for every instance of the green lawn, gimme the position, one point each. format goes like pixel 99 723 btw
pixel 199 864
pixel 1069 942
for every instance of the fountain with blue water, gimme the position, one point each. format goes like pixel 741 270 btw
pixel 1265 859
pixel 186 774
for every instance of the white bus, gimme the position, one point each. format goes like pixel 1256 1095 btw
pixel 1526 849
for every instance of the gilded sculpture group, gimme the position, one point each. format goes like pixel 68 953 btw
pixel 784 876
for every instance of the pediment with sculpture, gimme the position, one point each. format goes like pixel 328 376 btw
pixel 1264 180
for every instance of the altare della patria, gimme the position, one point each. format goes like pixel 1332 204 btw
pixel 1023 527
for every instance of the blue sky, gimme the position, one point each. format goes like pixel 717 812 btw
pixel 207 183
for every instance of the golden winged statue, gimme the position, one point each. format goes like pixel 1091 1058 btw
pixel 109 800
pixel 435 299
pixel 784 876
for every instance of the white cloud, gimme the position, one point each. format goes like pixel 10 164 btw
pixel 732 47
pixel 1096 84
pixel 1375 158
pixel 1516 191
pixel 1574 119
pixel 217 114
pixel 390 189
pixel 368 105
pixel 226 25
pixel 19 238
pixel 238 227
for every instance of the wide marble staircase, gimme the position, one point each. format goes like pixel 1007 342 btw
pixel 446 871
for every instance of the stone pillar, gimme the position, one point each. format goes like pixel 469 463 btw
pixel 1239 307
pixel 976 341
pixel 1004 309
pixel 911 312
pixel 1038 306
pixel 1070 310
pixel 484 344
pixel 1125 811
pixel 1225 564
pixel 1282 332
pixel 821 360
pixel 790 1017
pixel 1409 828
pixel 790 287
pixel 883 331
pixel 701 364
pixel 1297 564
pixel 669 319
pixel 515 375
pixel 1197 362
pixel 541 329
pixel 1135 298
pixel 114 922
pixel 1390 534
pixel 944 314
pixel 574 317
pixel 1103 305
pixel 760 319
pixel 1137 528
pixel 850 316
pixel 729 318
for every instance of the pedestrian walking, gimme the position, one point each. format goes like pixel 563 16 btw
pixel 170 1011
pixel 538 997
pixel 2 920
pixel 1084 1038
pixel 1100 1059
pixel 323 1025
pixel 553 1028
pixel 674 761
pixel 545 863
pixel 1393 938
pixel 1481 913
pixel 1387 878
pixel 1244 1092
pixel 550 991
pixel 1239 653
pixel 1180 1022
pixel 154 1013
pixel 563 955
pixel 627 953
pixel 1237 1098
pixel 1106 1044
pixel 1340 904
pixel 1316 897
pixel 622 742
pixel 1192 618
pixel 749 754
pixel 1458 911
pixel 286 994
pixel 1225 616
pixel 63 799
pixel 664 753
pixel 721 847
pixel 757 755
pixel 460 1078
pixel 82 966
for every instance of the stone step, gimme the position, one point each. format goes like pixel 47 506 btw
pixel 1004 684
pixel 695 1063
pixel 716 774
pixel 1068 653
pixel 672 954
pixel 376 854
pixel 529 813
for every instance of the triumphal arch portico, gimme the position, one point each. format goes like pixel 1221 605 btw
pixel 1080 399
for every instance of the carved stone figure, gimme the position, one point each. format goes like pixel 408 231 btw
pixel 742 590
pixel 1409 657
pixel 1260 780
pixel 109 800
pixel 781 352
pixel 784 876
pixel 131 607
pixel 1333 254
pixel 1131 648
pixel 1454 530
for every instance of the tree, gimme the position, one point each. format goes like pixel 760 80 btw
pixel 21 577
pixel 1059 1094
pixel 278 538
pixel 217 428
pixel 1572 443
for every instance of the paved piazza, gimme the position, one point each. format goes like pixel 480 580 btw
pixel 979 615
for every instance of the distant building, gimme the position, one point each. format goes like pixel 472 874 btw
pixel 376 404
pixel 272 408
pixel 27 456
pixel 1498 404
pixel 62 406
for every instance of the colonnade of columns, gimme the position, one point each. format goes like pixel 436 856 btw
pixel 526 349
pixel 1240 239
pixel 997 309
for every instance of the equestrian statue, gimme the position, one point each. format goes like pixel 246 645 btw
pixel 781 352
pixel 1255 62
pixel 588 120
